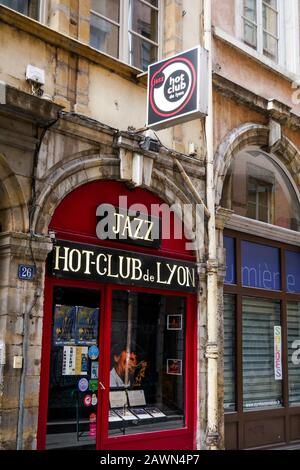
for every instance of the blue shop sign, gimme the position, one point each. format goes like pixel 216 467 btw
pixel 260 266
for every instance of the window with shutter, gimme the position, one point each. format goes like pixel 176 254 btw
pixel 260 387
pixel 293 314
pixel 229 353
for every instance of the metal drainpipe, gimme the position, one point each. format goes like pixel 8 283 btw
pixel 212 353
pixel 27 313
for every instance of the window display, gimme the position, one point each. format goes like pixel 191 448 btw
pixel 147 373
pixel 261 387
pixel 72 405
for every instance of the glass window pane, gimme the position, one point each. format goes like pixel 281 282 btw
pixel 104 36
pixel 293 314
pixel 251 211
pixel 250 10
pixel 229 353
pixel 153 2
pixel 259 200
pixel 272 3
pixel 147 377
pixel 76 320
pixel 250 34
pixel 263 214
pixel 19 5
pixel 144 20
pixel 260 266
pixel 292 268
pixel 142 53
pixel 270 47
pixel 108 8
pixel 26 7
pixel 260 341
pixel 270 20
pixel 229 245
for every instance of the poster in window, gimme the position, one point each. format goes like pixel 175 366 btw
pixel 174 367
pixel 64 325
pixel 174 322
pixel 81 365
pixel 87 325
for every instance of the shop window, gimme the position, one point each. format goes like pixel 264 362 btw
pixel 261 335
pixel 73 370
pixel 229 353
pixel 261 26
pixel 26 7
pixel 293 314
pixel 126 30
pixel 147 376
pixel 261 386
pixel 258 187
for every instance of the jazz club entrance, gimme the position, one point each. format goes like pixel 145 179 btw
pixel 119 330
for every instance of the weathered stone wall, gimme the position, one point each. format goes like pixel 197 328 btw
pixel 74 151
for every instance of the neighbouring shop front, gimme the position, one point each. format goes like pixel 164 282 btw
pixel 261 304
pixel 119 335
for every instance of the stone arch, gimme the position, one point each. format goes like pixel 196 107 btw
pixel 253 134
pixel 66 177
pixel 13 207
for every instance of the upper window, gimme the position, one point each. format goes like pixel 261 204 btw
pixel 26 7
pixel 261 26
pixel 127 30
pixel 257 187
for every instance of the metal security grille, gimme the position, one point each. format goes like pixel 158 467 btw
pixel 260 387
pixel 293 316
pixel 229 353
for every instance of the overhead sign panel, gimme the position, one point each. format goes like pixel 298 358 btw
pixel 178 89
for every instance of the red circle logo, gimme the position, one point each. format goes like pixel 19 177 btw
pixel 172 87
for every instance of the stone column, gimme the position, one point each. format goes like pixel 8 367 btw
pixel 222 217
pixel 21 319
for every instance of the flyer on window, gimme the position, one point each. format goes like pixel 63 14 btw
pixel 64 324
pixel 87 325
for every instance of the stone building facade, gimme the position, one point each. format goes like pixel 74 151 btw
pixel 87 127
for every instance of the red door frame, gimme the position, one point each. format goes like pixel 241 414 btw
pixel 171 439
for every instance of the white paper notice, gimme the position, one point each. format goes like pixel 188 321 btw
pixel 69 360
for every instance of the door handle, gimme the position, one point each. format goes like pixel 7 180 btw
pixel 102 386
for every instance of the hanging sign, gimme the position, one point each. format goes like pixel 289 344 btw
pixel 87 262
pixel 277 353
pixel 178 89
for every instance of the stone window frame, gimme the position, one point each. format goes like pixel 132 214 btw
pixel 125 30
